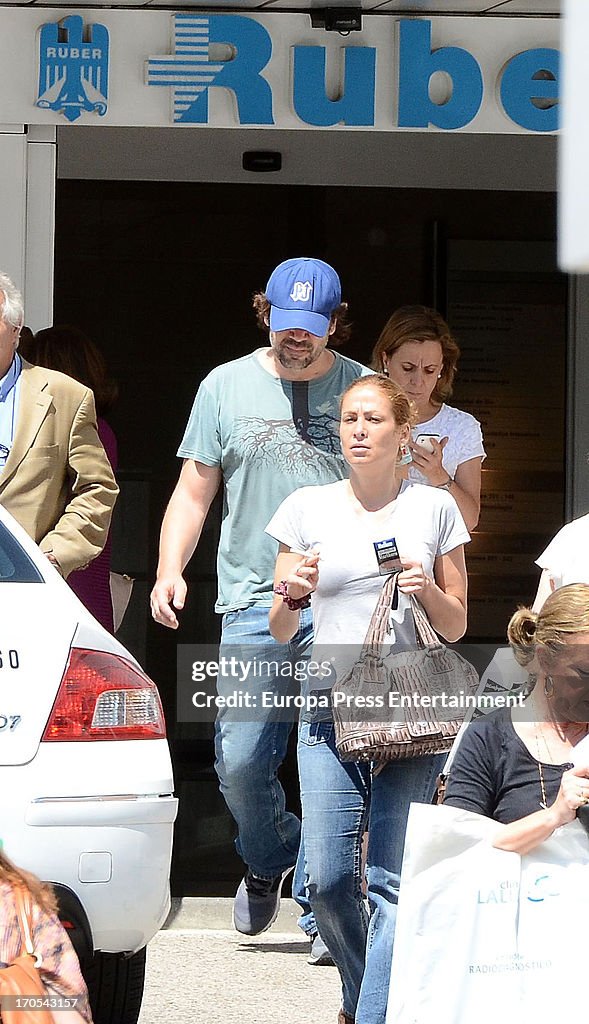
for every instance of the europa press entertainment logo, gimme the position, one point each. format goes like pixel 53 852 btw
pixel 73 67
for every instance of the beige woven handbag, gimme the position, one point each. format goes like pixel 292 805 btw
pixel 417 696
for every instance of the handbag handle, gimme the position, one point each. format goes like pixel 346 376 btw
pixel 425 633
pixel 379 620
pixel 24 909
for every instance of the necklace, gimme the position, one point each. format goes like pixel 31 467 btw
pixel 543 803
pixel 537 731
pixel 540 731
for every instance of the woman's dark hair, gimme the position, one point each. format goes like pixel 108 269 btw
pixel 66 348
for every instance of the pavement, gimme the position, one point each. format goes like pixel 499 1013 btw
pixel 200 970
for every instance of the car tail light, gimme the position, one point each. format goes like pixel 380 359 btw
pixel 104 697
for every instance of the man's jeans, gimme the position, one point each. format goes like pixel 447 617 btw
pixel 249 753
pixel 340 801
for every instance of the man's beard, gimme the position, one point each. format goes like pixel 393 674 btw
pixel 291 362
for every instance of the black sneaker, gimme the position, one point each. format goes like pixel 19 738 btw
pixel 257 902
pixel 319 955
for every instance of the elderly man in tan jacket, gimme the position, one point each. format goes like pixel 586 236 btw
pixel 55 478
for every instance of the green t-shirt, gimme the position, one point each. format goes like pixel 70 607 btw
pixel 269 436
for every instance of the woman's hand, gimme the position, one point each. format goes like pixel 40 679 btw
pixel 465 486
pixel 526 833
pixel 300 575
pixel 413 579
pixel 430 463
pixel 444 596
pixel 573 793
pixel 304 577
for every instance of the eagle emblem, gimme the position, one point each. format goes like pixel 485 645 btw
pixel 73 70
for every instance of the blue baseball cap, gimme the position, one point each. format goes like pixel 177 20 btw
pixel 303 293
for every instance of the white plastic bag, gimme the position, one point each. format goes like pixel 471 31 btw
pixel 484 935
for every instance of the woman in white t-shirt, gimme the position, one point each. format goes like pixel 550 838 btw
pixel 329 538
pixel 416 349
pixel 565 560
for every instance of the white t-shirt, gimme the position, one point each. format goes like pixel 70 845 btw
pixel 425 523
pixel 465 439
pixel 566 558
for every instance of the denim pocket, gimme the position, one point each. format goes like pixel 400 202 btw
pixel 229 617
pixel 313 733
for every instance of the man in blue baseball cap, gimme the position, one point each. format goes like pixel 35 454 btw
pixel 303 294
pixel 263 425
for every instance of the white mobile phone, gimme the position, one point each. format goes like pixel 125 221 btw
pixel 425 440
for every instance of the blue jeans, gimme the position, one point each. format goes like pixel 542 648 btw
pixel 340 801
pixel 249 753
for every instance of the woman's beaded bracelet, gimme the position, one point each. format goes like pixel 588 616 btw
pixel 294 603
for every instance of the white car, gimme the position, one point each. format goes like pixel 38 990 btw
pixel 85 774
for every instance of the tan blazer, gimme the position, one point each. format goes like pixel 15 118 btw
pixel 57 481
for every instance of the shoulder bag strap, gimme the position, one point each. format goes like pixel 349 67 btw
pixel 24 911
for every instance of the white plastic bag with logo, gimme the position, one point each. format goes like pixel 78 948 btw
pixel 484 935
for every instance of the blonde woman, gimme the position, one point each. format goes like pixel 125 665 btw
pixel 329 541
pixel 515 765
